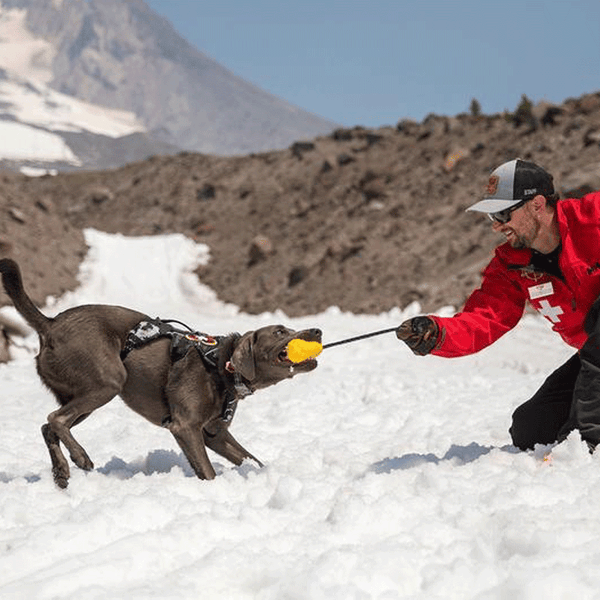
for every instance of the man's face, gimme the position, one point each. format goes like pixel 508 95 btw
pixel 523 228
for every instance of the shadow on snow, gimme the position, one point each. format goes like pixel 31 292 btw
pixel 460 455
pixel 157 461
pixel 163 461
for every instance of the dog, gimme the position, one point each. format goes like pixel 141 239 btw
pixel 187 382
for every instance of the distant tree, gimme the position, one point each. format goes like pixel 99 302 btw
pixel 475 108
pixel 523 114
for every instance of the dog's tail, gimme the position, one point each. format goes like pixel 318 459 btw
pixel 13 284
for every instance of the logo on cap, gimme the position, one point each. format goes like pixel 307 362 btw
pixel 492 186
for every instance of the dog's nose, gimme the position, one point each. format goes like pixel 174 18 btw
pixel 316 332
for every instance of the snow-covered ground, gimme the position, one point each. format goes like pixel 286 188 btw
pixel 387 475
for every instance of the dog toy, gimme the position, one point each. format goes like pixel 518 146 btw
pixel 301 350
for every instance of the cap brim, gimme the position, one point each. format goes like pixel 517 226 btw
pixel 492 205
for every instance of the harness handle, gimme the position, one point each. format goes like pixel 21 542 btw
pixel 359 337
pixel 179 323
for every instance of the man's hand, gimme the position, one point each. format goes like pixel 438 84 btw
pixel 420 334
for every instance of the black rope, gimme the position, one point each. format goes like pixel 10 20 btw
pixel 359 337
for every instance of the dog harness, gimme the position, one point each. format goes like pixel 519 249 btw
pixel 207 346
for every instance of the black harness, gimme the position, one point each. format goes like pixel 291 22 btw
pixel 208 347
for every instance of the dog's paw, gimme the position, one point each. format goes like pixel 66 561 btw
pixel 82 460
pixel 61 477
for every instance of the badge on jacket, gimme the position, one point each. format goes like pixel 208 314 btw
pixel 541 291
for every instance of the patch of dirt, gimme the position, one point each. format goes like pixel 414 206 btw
pixel 363 219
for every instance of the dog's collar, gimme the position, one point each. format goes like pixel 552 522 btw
pixel 240 386
pixel 213 351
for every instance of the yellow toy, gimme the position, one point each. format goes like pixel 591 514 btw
pixel 301 350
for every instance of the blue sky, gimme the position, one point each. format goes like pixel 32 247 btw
pixel 375 62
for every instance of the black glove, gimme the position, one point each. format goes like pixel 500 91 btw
pixel 420 334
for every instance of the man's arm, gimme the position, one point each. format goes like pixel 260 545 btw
pixel 490 311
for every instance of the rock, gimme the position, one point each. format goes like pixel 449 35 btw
pixel 344 159
pixel 17 215
pixel 589 104
pixel 581 182
pixel 260 249
pixel 454 157
pixel 299 148
pixel 296 275
pixel 206 192
pixel 99 195
pixel 342 135
pixel 591 136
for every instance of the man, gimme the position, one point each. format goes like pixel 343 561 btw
pixel 551 260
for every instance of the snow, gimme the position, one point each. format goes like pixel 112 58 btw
pixel 23 142
pixel 387 475
pixel 30 110
pixel 35 103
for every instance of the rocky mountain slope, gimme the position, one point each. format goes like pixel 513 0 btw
pixel 362 219
pixel 122 55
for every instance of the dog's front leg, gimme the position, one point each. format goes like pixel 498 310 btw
pixel 189 438
pixel 224 444
pixel 189 392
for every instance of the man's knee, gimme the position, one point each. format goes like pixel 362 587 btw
pixel 521 430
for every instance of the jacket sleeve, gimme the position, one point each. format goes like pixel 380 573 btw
pixel 489 312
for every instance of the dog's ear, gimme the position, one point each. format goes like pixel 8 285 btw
pixel 242 359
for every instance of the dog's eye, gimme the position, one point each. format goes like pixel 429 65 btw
pixel 280 331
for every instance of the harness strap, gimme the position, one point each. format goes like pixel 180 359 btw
pixel 207 346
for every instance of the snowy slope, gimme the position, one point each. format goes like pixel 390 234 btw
pixel 387 475
pixel 33 116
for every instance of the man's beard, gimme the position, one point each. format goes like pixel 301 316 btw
pixel 519 242
pixel 524 241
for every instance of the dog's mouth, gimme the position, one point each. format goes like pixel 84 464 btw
pixel 308 343
pixel 284 359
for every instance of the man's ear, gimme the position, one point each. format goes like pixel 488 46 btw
pixel 242 359
pixel 539 203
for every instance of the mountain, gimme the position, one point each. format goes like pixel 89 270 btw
pixel 45 131
pixel 121 55
pixel 362 219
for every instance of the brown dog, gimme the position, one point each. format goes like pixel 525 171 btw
pixel 187 383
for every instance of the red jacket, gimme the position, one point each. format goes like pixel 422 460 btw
pixel 508 284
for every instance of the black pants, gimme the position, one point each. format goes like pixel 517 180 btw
pixel 543 417
pixel 569 399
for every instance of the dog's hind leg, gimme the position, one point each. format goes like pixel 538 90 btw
pixel 58 429
pixel 60 466
pixel 224 444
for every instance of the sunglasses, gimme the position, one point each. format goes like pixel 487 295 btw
pixel 504 216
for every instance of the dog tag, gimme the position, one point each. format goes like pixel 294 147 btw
pixel 541 291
